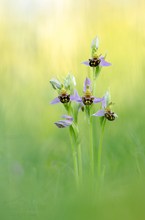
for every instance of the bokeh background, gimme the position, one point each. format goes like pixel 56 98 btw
pixel 42 39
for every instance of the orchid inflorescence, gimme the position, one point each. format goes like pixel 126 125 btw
pixel 87 102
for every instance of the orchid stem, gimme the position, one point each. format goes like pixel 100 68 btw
pixel 94 82
pixel 75 161
pixel 80 162
pixel 91 149
pixel 100 147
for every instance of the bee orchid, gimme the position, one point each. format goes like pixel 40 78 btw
pixel 96 60
pixel 64 123
pixel 88 98
pixel 63 97
pixel 106 109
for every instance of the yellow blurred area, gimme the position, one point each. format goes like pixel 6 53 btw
pixel 41 39
pixel 44 39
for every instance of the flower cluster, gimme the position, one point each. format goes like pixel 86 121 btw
pixel 68 94
pixel 73 102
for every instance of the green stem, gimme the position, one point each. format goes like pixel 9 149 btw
pixel 91 148
pixel 94 82
pixel 80 162
pixel 100 147
pixel 74 154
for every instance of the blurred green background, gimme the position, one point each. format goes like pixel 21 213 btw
pixel 41 39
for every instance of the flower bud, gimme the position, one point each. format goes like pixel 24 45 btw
pixel 55 84
pixel 95 43
pixel 70 82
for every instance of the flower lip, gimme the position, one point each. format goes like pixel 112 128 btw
pixel 61 98
pixel 94 62
pixel 87 100
pixel 109 115
pixel 64 98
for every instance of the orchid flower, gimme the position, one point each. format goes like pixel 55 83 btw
pixel 87 99
pixel 64 97
pixel 96 60
pixel 64 123
pixel 106 109
pixel 62 88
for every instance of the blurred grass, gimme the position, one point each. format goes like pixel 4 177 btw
pixel 43 39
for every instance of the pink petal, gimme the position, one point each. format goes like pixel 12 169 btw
pixel 100 113
pixel 55 101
